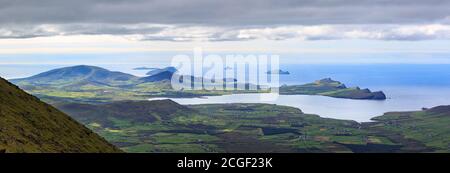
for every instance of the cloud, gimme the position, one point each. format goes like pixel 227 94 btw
pixel 230 20
pixel 27 31
pixel 146 32
pixel 229 12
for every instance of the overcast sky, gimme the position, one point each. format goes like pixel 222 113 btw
pixel 63 26
pixel 224 12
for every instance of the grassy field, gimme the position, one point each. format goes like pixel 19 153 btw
pixel 250 128
pixel 426 130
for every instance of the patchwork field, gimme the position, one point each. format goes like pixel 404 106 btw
pixel 165 126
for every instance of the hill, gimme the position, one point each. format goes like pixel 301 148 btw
pixel 78 76
pixel 29 125
pixel 424 130
pixel 133 111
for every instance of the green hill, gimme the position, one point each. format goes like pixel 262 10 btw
pixel 77 76
pixel 30 125
pixel 133 111
pixel 429 127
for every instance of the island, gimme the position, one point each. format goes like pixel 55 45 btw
pixel 278 72
pixel 331 88
pixel 144 68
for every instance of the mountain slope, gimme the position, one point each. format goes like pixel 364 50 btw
pixel 78 75
pixel 29 125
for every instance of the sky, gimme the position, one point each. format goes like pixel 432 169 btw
pixel 309 31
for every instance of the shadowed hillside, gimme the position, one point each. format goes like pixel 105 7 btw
pixel 29 125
